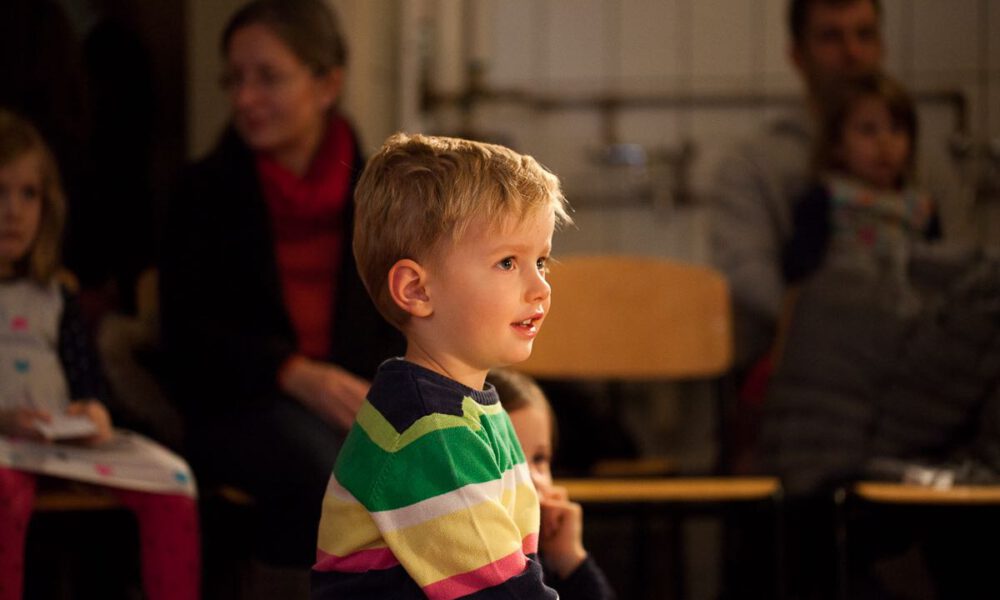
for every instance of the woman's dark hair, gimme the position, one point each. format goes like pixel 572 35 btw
pixel 309 27
pixel 842 98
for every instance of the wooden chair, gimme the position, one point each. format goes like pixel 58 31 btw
pixel 602 329
pixel 643 319
pixel 634 318
pixel 918 495
pixel 59 496
pixel 916 503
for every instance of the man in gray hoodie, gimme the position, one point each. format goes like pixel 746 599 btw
pixel 757 183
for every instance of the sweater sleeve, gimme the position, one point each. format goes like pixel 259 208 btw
pixel 461 518
pixel 933 231
pixel 745 234
pixel 806 251
pixel 224 331
pixel 77 354
pixel 587 582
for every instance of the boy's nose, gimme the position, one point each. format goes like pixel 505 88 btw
pixel 538 288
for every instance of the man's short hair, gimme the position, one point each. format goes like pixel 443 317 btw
pixel 798 14
pixel 419 191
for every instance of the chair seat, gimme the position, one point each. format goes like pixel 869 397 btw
pixel 650 466
pixel 234 495
pixel 661 490
pixel 901 493
pixel 74 497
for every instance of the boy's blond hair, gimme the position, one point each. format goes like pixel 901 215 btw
pixel 19 137
pixel 419 191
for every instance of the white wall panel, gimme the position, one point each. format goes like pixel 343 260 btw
pixel 576 44
pixel 515 51
pixel 721 41
pixel 648 40
pixel 945 38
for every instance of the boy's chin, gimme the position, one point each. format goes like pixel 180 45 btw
pixel 516 358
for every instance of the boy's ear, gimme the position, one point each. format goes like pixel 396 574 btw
pixel 407 286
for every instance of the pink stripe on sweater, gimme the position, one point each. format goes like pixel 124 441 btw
pixel 356 562
pixel 486 576
pixel 529 545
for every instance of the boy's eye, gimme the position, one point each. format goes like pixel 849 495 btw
pixel 542 264
pixel 507 263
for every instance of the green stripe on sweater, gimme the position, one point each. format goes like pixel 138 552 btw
pixel 416 468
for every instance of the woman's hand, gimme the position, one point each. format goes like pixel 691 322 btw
pixel 96 412
pixel 20 422
pixel 331 392
pixel 561 536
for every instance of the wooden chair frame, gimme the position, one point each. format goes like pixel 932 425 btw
pixel 901 496
pixel 644 319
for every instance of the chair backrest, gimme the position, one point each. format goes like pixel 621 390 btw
pixel 621 317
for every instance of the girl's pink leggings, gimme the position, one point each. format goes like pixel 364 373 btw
pixel 168 533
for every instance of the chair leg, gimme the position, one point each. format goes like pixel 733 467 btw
pixel 780 567
pixel 840 498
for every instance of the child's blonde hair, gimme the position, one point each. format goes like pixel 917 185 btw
pixel 517 391
pixel 841 99
pixel 19 137
pixel 420 190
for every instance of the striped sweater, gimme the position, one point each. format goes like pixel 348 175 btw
pixel 430 496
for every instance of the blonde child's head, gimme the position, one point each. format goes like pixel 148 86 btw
pixel 29 172
pixel 868 130
pixel 533 419
pixel 420 194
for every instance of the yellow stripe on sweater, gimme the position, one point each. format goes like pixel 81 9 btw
pixel 346 527
pixel 453 501
pixel 467 540
pixel 383 434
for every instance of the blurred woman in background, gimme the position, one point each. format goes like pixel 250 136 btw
pixel 269 335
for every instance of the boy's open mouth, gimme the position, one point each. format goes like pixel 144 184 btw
pixel 530 324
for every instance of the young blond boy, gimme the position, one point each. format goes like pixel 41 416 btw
pixel 431 495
